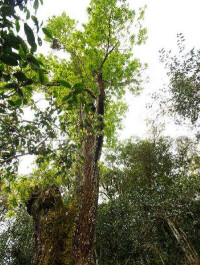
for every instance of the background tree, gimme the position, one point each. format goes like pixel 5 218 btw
pixel 183 72
pixel 150 222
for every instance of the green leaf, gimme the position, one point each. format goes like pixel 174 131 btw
pixel 41 77
pixel 64 83
pixel 25 101
pixel 11 102
pixel 6 189
pixel 6 77
pixel 35 22
pixel 18 102
pixel 22 45
pixel 34 48
pixel 78 88
pixel 2 68
pixel 17 25
pixel 9 60
pixel 24 64
pixel 31 59
pixel 72 100
pixel 11 85
pixel 20 92
pixel 39 41
pixel 7 11
pixel 36 4
pixel 20 76
pixel 30 35
pixel 14 55
pixel 47 33
pixel 11 41
pixel 66 98
pixel 28 14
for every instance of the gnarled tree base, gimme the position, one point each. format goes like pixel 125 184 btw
pixel 53 229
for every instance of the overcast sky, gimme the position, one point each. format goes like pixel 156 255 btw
pixel 163 19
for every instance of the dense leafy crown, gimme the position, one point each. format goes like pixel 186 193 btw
pixel 103 46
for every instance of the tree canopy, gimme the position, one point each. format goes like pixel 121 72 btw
pixel 137 205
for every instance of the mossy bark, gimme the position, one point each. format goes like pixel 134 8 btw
pixel 65 236
pixel 83 247
pixel 84 235
pixel 53 227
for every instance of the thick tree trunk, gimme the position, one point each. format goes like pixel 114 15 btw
pixel 85 226
pixel 67 236
pixel 84 236
pixel 52 228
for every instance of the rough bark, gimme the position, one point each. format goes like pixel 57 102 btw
pixel 84 236
pixel 67 236
pixel 52 228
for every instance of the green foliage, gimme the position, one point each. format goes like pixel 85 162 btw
pixel 16 241
pixel 149 185
pixel 183 71
pixel 21 73
pixel 134 222
pixel 102 45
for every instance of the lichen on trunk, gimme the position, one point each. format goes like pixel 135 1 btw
pixel 53 227
pixel 84 235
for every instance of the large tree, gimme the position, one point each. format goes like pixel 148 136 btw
pixel 101 65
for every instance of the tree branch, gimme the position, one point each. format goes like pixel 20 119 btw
pixel 20 155
pixel 127 82
pixel 14 157
pixel 107 54
pixel 90 93
pixel 108 45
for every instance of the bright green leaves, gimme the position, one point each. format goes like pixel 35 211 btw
pixel 62 28
pixel 71 98
pixel 17 25
pixel 103 45
pixel 66 98
pixel 47 33
pixel 64 83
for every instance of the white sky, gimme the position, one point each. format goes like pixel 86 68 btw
pixel 164 19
